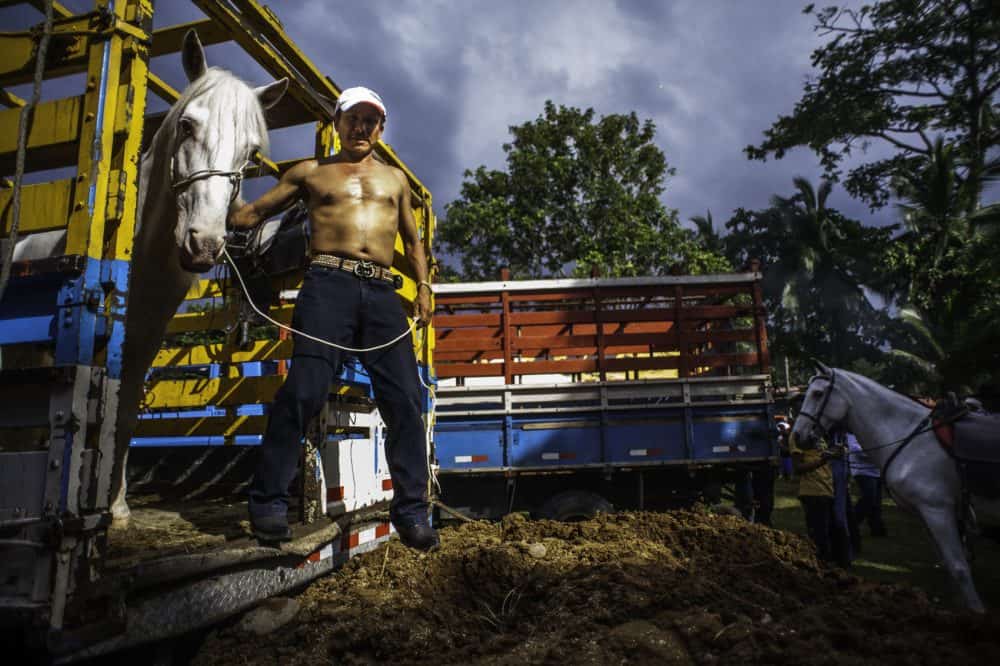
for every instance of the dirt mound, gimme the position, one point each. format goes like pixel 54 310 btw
pixel 673 588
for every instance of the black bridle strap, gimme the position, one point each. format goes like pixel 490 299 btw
pixel 919 430
pixel 826 398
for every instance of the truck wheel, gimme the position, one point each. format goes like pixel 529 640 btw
pixel 573 506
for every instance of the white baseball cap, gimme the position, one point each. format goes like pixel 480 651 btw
pixel 360 95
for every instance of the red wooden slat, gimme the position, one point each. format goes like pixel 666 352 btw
pixel 442 300
pixel 468 369
pixel 470 343
pixel 465 320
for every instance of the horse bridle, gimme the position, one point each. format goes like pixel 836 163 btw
pixel 235 178
pixel 826 399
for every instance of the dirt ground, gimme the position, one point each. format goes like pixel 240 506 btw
pixel 686 587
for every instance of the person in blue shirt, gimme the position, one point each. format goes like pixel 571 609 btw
pixel 868 478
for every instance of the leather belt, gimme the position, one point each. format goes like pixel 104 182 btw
pixel 365 270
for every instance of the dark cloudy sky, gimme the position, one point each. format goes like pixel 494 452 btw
pixel 712 75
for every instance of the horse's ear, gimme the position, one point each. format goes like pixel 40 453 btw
pixel 821 368
pixel 193 56
pixel 271 93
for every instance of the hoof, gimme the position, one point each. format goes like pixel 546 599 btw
pixel 120 516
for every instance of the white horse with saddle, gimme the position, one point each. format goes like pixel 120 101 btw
pixel 939 480
pixel 190 177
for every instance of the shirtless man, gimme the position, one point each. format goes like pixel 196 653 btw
pixel 356 206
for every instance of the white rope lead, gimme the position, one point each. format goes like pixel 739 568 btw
pixel 363 350
pixel 430 420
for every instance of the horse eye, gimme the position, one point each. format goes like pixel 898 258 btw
pixel 185 126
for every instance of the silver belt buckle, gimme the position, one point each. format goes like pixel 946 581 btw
pixel 364 269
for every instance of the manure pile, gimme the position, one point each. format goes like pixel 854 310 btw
pixel 684 587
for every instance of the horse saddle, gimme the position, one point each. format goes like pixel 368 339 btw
pixel 268 250
pixel 275 247
pixel 967 435
pixel 974 441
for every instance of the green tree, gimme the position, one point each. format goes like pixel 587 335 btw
pixel 898 72
pixel 816 265
pixel 943 273
pixel 706 235
pixel 579 193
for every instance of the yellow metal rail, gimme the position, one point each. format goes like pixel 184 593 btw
pixel 100 131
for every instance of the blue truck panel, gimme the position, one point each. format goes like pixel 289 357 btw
pixel 548 444
pixel 466 445
pixel 731 433
pixel 653 437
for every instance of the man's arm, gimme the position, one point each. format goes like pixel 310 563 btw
pixel 414 249
pixel 287 190
pixel 801 466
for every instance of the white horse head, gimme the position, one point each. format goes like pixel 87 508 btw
pixel 823 407
pixel 213 131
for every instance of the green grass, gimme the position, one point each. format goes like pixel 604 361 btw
pixel 907 556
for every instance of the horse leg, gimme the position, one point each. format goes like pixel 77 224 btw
pixel 120 513
pixel 943 526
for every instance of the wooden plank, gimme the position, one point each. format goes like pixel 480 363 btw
pixel 58 10
pixel 639 364
pixel 465 321
pixel 467 344
pixel 171 38
pixel 572 366
pixel 465 356
pixel 717 311
pixel 569 341
pixel 67 53
pixel 583 296
pixel 507 331
pixel 760 326
pixel 201 426
pixel 11 100
pixel 714 336
pixel 184 393
pixel 450 300
pixel 220 319
pixel 468 348
pixel 53 137
pixel 567 366
pixel 44 206
pixel 224 392
pixel 723 360
pixel 469 370
pixel 262 350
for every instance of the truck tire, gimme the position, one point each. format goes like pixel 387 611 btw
pixel 573 506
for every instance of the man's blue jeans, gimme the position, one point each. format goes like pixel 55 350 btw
pixel 354 312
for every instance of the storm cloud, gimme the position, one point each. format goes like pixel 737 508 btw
pixel 456 75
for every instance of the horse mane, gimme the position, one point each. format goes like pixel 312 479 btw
pixel 864 379
pixel 234 102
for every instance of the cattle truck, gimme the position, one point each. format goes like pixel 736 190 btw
pixel 71 585
pixel 566 397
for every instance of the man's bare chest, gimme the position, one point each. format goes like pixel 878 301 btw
pixel 333 187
